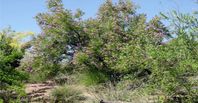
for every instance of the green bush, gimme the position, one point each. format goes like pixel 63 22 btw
pixel 92 77
pixel 66 94
pixel 11 79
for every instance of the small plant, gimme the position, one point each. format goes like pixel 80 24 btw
pixel 92 77
pixel 66 94
pixel 37 77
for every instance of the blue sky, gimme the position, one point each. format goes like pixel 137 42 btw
pixel 19 14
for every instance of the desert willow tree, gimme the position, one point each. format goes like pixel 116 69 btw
pixel 111 45
pixel 62 34
pixel 119 39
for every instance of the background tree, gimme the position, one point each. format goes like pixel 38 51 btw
pixel 62 34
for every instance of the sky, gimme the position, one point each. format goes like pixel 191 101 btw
pixel 19 14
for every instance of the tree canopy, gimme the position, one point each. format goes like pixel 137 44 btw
pixel 118 46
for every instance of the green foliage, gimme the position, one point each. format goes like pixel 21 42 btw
pixel 10 57
pixel 176 61
pixel 117 43
pixel 10 78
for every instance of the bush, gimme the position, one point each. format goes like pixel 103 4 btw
pixel 66 94
pixel 92 77
pixel 11 79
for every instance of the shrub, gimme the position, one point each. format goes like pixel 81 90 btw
pixel 66 94
pixel 11 79
pixel 92 77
